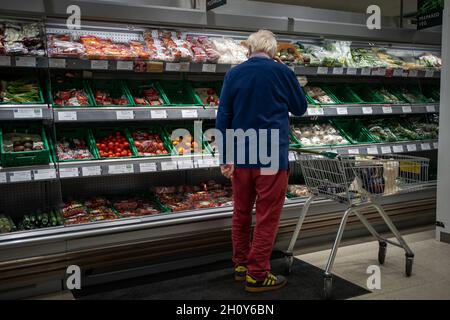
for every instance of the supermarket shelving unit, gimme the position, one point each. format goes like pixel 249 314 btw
pixel 166 241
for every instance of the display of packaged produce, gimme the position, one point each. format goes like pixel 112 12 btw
pixel 39 220
pixel 318 95
pixel 317 134
pixel 231 52
pixel 298 191
pixel 21 39
pixel 140 50
pixel 114 145
pixel 387 96
pixel 367 58
pixel 390 130
pixel 135 206
pixel 96 202
pixel 22 140
pixel 72 149
pixel 186 144
pixel 19 91
pixel 410 95
pixel 331 54
pixel 101 213
pixel 73 209
pixel 289 53
pixel 106 98
pixel 149 96
pixel 391 60
pixel 148 143
pixel 6 224
pixel 100 48
pixel 63 45
pixel 203 49
pixel 71 98
pixel 430 60
pixel 208 96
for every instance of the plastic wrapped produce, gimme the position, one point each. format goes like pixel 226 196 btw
pixel 149 96
pixel 318 95
pixel 71 98
pixel 64 46
pixel 72 149
pixel 101 213
pixel 318 134
pixel 22 141
pixel 148 143
pixel 19 91
pixel 430 60
pixel 23 38
pixel 6 224
pixel 208 96
pixel 73 209
pixel 288 53
pixel 230 51
pixel 108 98
pixel 298 191
pixel 135 207
pixel 367 58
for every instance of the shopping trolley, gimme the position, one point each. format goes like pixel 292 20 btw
pixel 358 181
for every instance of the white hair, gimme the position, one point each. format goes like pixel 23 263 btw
pixel 262 41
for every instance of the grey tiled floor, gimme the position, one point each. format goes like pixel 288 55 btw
pixel 431 270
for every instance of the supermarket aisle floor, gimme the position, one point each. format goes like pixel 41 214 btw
pixel 430 278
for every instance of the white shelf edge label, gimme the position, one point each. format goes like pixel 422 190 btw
pixel 158 114
pixel 342 110
pixel 425 146
pixel 398 73
pixel 99 64
pixel 312 111
pixel 411 147
pixel 366 71
pixel 2 177
pixel 412 73
pixel 352 71
pixel 5 61
pixel 338 70
pixel 189 114
pixel 406 109
pixel 91 171
pixel 322 70
pixel 120 168
pixel 68 172
pixel 435 145
pixel 205 163
pixel 431 109
pixel 19 176
pixel 25 61
pixel 387 110
pixel 386 149
pixel 173 66
pixel 372 150
pixel 185 164
pixel 67 115
pixel 398 149
pixel 367 110
pixel 44 174
pixel 57 63
pixel 147 167
pixel 125 115
pixel 169 165
pixel 208 67
pixel 125 65
pixel 353 151
pixel 27 113
pixel 429 74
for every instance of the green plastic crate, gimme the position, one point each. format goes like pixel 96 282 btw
pixel 135 88
pixel 99 133
pixel 24 158
pixel 216 85
pixel 115 88
pixel 148 196
pixel 40 94
pixel 67 85
pixel 169 129
pixel 180 93
pixel 303 122
pixel 344 94
pixel 431 92
pixel 84 133
pixel 354 131
pixel 386 123
pixel 323 87
pixel 400 92
pixel 366 94
pixel 153 129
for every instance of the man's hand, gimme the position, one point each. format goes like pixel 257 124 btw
pixel 227 170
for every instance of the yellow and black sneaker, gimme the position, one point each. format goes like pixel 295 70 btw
pixel 270 283
pixel 240 272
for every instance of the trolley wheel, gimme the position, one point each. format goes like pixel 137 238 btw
pixel 288 262
pixel 382 252
pixel 327 287
pixel 409 265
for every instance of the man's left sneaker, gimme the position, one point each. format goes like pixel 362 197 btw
pixel 240 272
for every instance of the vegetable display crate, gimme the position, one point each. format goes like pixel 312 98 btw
pixel 21 92
pixel 431 92
pixel 39 220
pixel 152 129
pixel 110 89
pixel 354 131
pixel 176 147
pixel 214 85
pixel 325 90
pixel 389 130
pixel 76 133
pixel 367 94
pixel 24 158
pixel 344 94
pixel 100 133
pixel 303 123
pixel 67 87
pixel 150 196
pixel 136 90
pixel 180 93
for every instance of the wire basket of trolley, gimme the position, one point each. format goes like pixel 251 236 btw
pixel 358 181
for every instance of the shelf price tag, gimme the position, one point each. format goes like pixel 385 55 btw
pixel 99 64
pixel 205 163
pixel 2 177
pixel 120 168
pixel 411 147
pixel 398 73
pixel 429 74
pixel 158 114
pixel 171 66
pixel 412 73
pixel 154 67
pixel 19 176
pixel 124 65
pixel 27 113
pixel 185 164
pixel 44 174
pixel 406 109
pixel 312 111
pixel 366 71
pixel 353 151
pixel 125 115
pixel 435 145
pixel 25 61
pixel 57 63
pixel 189 114
pixel 184 66
pixel 91 171
pixel 352 71
pixel 68 172
pixel 387 109
pixel 292 156
pixel 322 70
pixel 372 150
pixel 337 70
pixel 425 146
pixel 367 110
pixel 342 111
pixel 147 167
pixel 386 149
pixel 431 109
pixel 208 67
pixel 5 61
pixel 67 115
pixel 169 165
pixel 398 149
pixel 379 72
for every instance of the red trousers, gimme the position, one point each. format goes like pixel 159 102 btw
pixel 269 192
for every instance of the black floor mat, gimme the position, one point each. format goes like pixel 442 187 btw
pixel 214 282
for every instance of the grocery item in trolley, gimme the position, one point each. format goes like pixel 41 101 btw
pixel 297 191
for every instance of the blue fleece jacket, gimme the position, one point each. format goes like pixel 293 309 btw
pixel 259 94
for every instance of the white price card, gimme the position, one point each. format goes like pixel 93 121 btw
pixel 292 156
pixel 322 70
pixel 372 150
pixel 44 174
pixel 338 70
pixel 158 114
pixel 398 149
pixel 406 109
pixel 57 63
pixel 99 64
pixel 435 145
pixel 387 110
pixel 342 110
pixel 205 163
pixel 68 172
pixel 2 177
pixel 429 74
pixel 185 164
pixel 398 73
pixel 171 66
pixel 386 149
pixel 27 113
pixel 120 168
pixel 25 61
pixel 431 108
pixel 207 67
pixel 124 65
pixel 312 111
pixel 125 115
pixel 91 171
pixel 379 72
pixel 184 66
pixel 411 147
pixel 353 151
pixel 412 73
pixel 366 71
pixel 67 115
pixel 5 61
pixel 169 165
pixel 352 71
pixel 367 110
pixel 425 146
pixel 189 114
pixel 19 176
pixel 147 167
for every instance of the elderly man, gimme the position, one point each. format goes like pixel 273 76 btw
pixel 258 95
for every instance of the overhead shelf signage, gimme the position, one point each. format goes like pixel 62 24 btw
pixel 212 4
pixel 429 13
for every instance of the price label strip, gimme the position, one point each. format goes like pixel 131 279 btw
pixel 57 63
pixel 312 111
pixel 372 150
pixel 147 167
pixel 342 111
pixel 338 70
pixel 5 61
pixel 353 151
pixel 25 62
pixel 352 71
pixel 386 149
pixel 20 176
pixel 406 109
pixel 425 146
pixel 367 110
pixel 431 109
pixel 322 70
pixel 27 113
pixel 3 177
pixel 189 114
pixel 411 147
pixel 185 164
pixel 125 115
pixel 44 174
pixel 158 114
pixel 91 171
pixel 99 64
pixel 68 172
pixel 206 67
pixel 124 65
pixel 169 165
pixel 67 115
pixel 398 149
pixel 387 110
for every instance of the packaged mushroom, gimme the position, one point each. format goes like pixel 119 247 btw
pixel 318 95
pixel 317 135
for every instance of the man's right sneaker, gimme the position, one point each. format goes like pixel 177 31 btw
pixel 271 282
